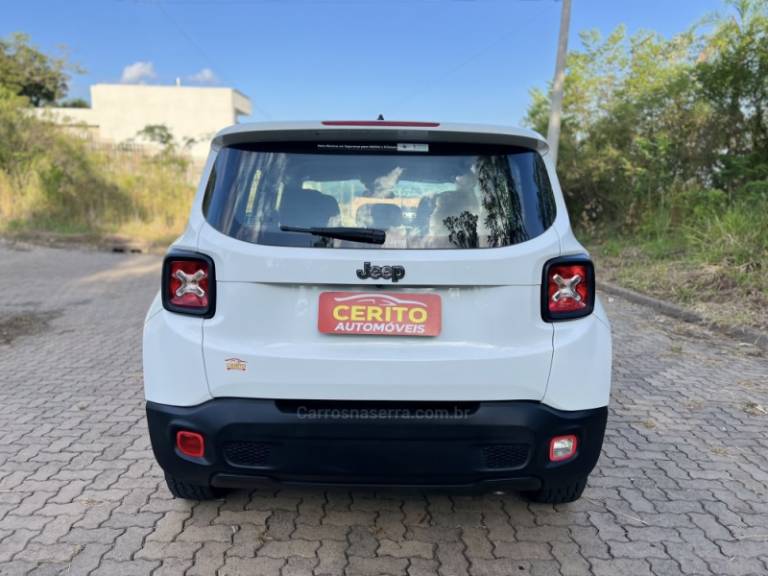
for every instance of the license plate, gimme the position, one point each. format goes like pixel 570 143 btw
pixel 379 313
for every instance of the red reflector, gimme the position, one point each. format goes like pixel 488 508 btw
pixel 380 123
pixel 568 288
pixel 190 443
pixel 562 447
pixel 188 283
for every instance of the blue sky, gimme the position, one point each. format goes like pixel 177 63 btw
pixel 449 60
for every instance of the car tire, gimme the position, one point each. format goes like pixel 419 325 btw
pixel 187 491
pixel 558 494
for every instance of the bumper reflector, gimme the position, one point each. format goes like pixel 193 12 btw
pixel 190 443
pixel 562 447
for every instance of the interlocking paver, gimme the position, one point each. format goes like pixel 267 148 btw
pixel 289 548
pixel 420 567
pixel 379 566
pixel 332 556
pixel 208 559
pixel 250 567
pixel 406 549
pixel 681 488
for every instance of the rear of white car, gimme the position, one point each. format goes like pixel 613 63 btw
pixel 377 303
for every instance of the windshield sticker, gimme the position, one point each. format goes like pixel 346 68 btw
pixel 400 147
pixel 357 147
pixel 413 147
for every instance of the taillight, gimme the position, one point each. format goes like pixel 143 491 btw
pixel 562 448
pixel 190 443
pixel 568 288
pixel 189 286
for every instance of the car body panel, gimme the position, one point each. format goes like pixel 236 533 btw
pixel 487 348
pixel 173 358
pixel 581 364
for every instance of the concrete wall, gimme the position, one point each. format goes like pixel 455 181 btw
pixel 119 111
pixel 81 121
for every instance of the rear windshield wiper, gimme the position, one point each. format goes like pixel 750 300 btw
pixel 369 235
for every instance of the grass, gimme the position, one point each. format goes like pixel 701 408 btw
pixel 139 198
pixel 704 251
pixel 54 182
pixel 705 278
pixel 150 233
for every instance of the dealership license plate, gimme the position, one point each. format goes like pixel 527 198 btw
pixel 379 313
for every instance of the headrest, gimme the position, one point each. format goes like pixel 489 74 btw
pixel 306 207
pixel 379 216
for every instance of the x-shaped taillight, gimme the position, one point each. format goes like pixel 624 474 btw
pixel 566 287
pixel 190 283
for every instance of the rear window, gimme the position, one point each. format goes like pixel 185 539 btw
pixel 423 196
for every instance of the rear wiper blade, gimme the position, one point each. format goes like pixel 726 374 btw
pixel 369 235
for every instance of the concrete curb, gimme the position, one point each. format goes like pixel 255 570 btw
pixel 743 334
pixel 106 243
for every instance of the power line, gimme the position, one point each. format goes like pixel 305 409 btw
pixel 183 32
pixel 425 88
pixel 191 41
pixel 348 2
pixel 430 85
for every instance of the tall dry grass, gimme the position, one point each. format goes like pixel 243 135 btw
pixel 55 181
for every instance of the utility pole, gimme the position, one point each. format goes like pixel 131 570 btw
pixel 556 111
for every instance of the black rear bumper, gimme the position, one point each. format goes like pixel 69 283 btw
pixel 465 444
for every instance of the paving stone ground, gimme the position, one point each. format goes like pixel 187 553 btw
pixel 681 487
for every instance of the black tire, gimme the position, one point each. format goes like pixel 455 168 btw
pixel 558 494
pixel 187 491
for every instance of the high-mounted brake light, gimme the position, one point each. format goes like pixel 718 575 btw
pixel 394 123
pixel 568 288
pixel 188 285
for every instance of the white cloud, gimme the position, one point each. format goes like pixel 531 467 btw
pixel 138 72
pixel 204 76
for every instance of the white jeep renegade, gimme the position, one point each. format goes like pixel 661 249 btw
pixel 378 303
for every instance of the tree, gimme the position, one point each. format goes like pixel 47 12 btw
pixel 74 103
pixel 158 134
pixel 733 74
pixel 26 71
pixel 647 121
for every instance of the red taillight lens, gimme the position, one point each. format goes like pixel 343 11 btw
pixel 562 448
pixel 189 284
pixel 190 443
pixel 568 288
pixel 388 123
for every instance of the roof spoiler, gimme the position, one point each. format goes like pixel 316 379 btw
pixel 322 132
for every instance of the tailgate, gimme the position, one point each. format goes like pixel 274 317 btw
pixel 265 339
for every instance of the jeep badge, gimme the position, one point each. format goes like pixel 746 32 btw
pixel 394 273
